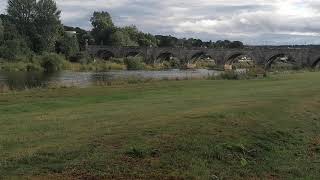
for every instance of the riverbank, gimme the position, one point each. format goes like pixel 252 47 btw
pixel 248 129
pixel 29 80
pixel 86 64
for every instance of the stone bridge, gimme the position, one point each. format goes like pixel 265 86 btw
pixel 261 55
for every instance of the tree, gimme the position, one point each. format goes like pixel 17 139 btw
pixel 67 45
pixel 10 31
pixel 13 44
pixel 83 36
pixel 47 23
pixel 122 38
pixel 147 40
pixel 11 49
pixel 101 20
pixel 37 21
pixel 103 27
pixel 236 44
pixel 22 14
pixel 167 41
pixel 1 32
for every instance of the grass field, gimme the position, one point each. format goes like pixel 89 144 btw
pixel 197 129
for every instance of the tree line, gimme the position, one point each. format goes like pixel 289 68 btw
pixel 31 27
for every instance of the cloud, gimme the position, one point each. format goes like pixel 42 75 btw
pixel 254 21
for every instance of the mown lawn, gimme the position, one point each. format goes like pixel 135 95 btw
pixel 201 129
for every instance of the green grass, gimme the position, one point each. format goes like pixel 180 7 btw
pixel 197 129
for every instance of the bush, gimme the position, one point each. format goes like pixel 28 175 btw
pixel 117 60
pixel 230 75
pixel 11 49
pixel 98 67
pixel 51 62
pixel 31 67
pixel 134 63
pixel 110 66
pixel 175 63
pixel 13 67
pixel 256 72
pixel 81 57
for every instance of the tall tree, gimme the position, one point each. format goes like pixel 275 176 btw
pixel 1 32
pixel 167 41
pixel 68 45
pixel 13 44
pixel 22 14
pixel 147 40
pixel 103 27
pixel 83 36
pixel 122 38
pixel 47 23
pixel 38 21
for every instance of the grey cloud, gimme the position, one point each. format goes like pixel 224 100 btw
pixel 254 22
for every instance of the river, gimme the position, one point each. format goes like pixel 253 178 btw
pixel 22 80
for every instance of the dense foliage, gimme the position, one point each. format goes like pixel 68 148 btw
pixel 1 31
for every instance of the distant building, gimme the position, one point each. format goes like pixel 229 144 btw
pixel 71 33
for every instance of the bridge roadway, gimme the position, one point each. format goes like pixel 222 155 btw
pixel 261 55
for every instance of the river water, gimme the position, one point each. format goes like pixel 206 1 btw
pixel 22 80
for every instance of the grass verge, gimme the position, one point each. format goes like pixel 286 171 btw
pixel 199 129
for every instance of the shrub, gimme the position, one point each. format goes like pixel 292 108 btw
pixel 81 57
pixel 256 72
pixel 51 62
pixel 230 75
pixel 110 66
pixel 23 63
pixel 11 49
pixel 34 67
pixel 175 63
pixel 166 65
pixel 134 63
pixel 205 64
pixel 13 67
pixel 117 60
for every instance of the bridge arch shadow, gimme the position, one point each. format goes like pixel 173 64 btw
pixel 279 58
pixel 105 54
pixel 316 64
pixel 165 56
pixel 200 56
pixel 239 60
pixel 133 54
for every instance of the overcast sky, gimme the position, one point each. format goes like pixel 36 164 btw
pixel 251 21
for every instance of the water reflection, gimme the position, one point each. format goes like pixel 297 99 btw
pixel 22 80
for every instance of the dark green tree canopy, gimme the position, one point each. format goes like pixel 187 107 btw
pixel 47 23
pixel 67 45
pixel 101 20
pixel 1 32
pixel 122 38
pixel 22 13
pixel 103 28
pixel 37 21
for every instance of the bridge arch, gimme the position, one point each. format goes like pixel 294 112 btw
pixel 200 56
pixel 133 54
pixel 165 56
pixel 316 64
pixel 240 59
pixel 105 54
pixel 279 57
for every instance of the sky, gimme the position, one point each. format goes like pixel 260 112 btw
pixel 255 22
